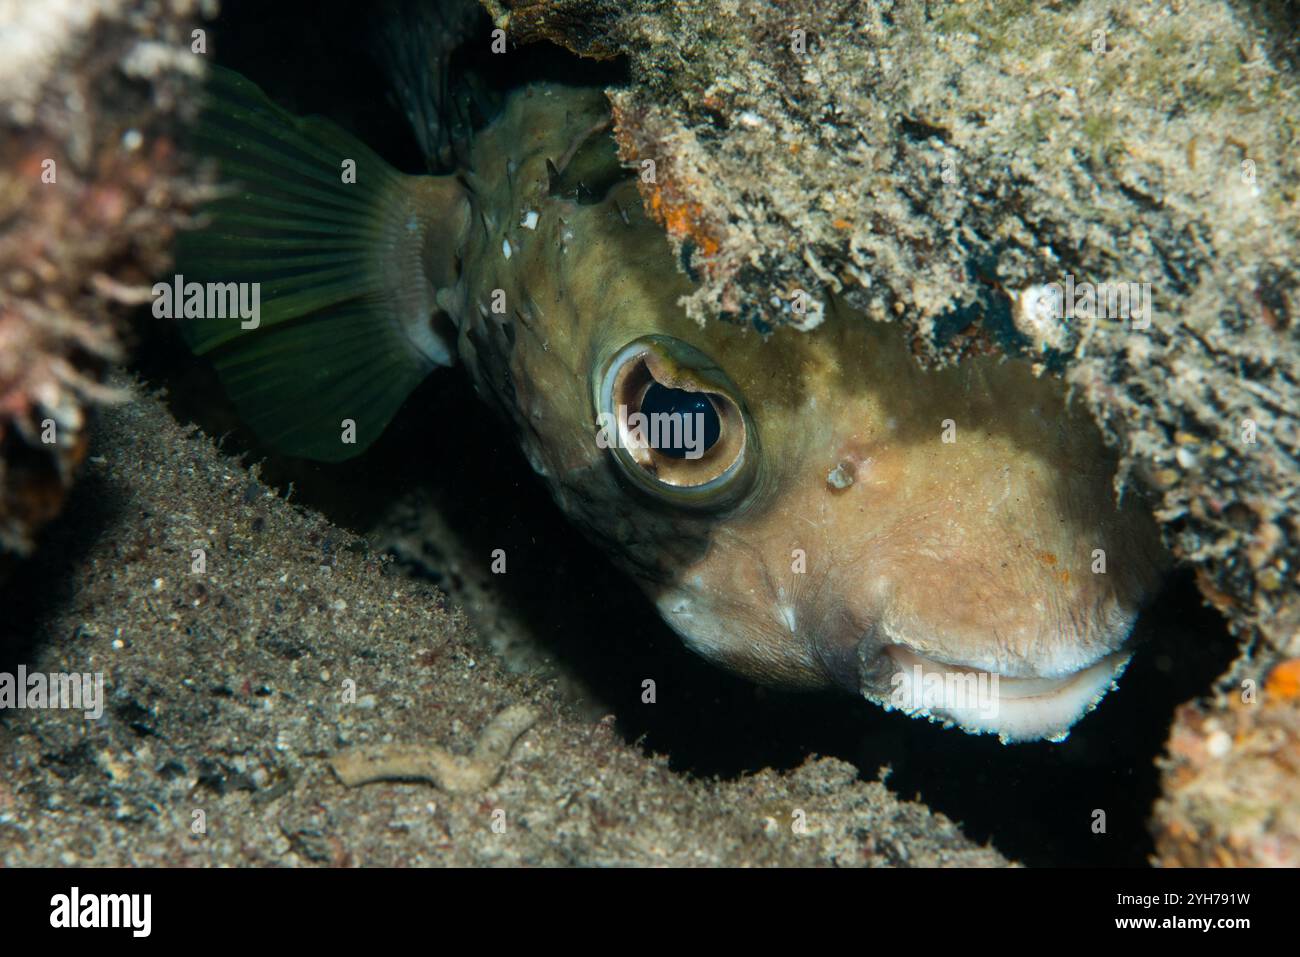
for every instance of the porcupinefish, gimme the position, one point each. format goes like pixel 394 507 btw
pixel 818 511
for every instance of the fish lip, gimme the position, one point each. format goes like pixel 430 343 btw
pixel 1027 708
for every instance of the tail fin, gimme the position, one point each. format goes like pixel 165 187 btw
pixel 347 256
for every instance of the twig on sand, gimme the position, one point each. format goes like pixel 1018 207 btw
pixel 451 772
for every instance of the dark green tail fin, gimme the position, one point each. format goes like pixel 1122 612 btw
pixel 347 256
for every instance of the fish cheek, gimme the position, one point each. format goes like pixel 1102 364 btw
pixel 724 609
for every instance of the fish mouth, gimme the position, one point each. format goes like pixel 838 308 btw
pixel 985 702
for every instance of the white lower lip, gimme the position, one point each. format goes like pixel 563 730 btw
pixel 1026 708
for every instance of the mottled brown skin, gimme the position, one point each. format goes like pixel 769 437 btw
pixel 976 552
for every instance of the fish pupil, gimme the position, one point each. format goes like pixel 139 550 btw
pixel 661 400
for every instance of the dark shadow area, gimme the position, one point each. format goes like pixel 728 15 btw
pixel 45 582
pixel 315 57
pixel 1034 802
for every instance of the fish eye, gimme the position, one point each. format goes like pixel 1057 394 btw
pixel 675 423
pixel 661 401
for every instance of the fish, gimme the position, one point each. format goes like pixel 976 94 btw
pixel 808 508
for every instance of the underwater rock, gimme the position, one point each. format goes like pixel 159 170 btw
pixel 91 189
pixel 1231 780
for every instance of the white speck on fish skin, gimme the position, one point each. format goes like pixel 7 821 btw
pixel 530 219
pixel 505 248
pixel 787 615
pixel 839 477
pixel 566 235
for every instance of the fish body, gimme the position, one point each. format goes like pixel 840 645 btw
pixel 945 542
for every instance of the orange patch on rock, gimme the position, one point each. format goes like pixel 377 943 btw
pixel 682 220
pixel 1284 680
